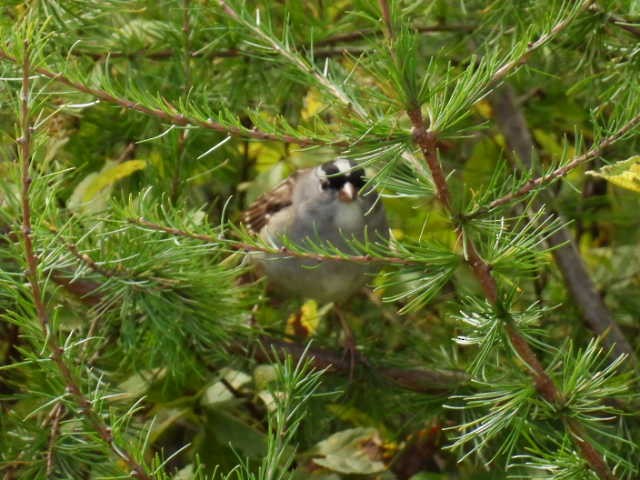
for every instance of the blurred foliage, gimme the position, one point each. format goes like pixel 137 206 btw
pixel 163 331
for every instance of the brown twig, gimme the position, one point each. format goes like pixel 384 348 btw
pixel 545 386
pixel 329 42
pixel 535 183
pixel 386 17
pixel 57 351
pixel 55 416
pixel 90 262
pixel 508 67
pixel 323 52
pixel 174 118
pixel 594 312
pixel 618 21
pixel 417 380
pixel 624 24
pixel 363 34
pixel 253 409
pixel 237 245
pixel 186 69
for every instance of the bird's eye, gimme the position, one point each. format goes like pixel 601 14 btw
pixel 325 184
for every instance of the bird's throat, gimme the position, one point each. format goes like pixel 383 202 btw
pixel 349 217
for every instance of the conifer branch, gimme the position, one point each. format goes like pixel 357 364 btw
pixel 296 60
pixel 416 380
pixel 330 43
pixel 427 141
pixel 559 172
pixel 559 27
pixel 57 351
pixel 56 415
pixel 482 271
pixel 594 312
pixel 386 17
pixel 173 118
pixel 238 245
pixel 618 21
pixel 364 33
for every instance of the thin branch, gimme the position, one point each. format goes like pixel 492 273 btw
pixel 364 33
pixel 427 141
pixel 186 87
pixel 57 351
pixel 624 24
pixel 386 17
pixel 417 380
pixel 618 21
pixel 173 118
pixel 506 69
pixel 592 153
pixel 237 245
pixel 90 262
pixel 329 51
pixel 330 42
pixel 55 416
pixel 593 310
pixel 296 60
pixel 482 271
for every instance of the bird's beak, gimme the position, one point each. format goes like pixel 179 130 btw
pixel 347 193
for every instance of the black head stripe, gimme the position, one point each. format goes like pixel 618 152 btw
pixel 337 175
pixel 356 177
pixel 330 169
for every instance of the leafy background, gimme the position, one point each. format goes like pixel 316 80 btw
pixel 169 335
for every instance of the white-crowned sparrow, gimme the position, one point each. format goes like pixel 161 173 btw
pixel 318 205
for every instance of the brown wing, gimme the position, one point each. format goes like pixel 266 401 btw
pixel 260 211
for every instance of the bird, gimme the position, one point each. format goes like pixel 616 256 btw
pixel 323 205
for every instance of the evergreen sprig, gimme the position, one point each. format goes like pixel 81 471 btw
pixel 133 335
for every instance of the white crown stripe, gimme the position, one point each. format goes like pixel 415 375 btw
pixel 343 165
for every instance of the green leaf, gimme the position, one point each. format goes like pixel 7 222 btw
pixel 92 193
pixel 625 174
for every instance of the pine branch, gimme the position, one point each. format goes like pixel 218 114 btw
pixel 559 27
pixel 545 386
pixel 482 271
pixel 56 415
pixel 416 380
pixel 595 313
pixel 239 245
pixel 57 351
pixel 364 33
pixel 618 21
pixel 624 24
pixel 331 44
pixel 560 172
pixel 173 118
pixel 296 60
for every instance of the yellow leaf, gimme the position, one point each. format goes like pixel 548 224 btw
pixel 483 107
pixel 312 104
pixel 92 193
pixel 305 322
pixel 625 174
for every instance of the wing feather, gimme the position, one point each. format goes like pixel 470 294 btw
pixel 260 211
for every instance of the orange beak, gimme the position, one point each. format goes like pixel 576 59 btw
pixel 347 193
